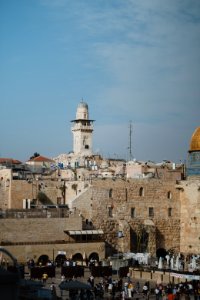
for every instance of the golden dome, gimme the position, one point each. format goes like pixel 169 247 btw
pixel 195 140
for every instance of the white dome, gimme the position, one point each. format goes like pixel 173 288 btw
pixel 82 111
pixel 83 105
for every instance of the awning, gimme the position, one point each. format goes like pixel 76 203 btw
pixel 84 232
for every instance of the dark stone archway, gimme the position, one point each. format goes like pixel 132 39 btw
pixel 43 260
pixel 139 240
pixel 161 252
pixel 94 256
pixel 60 258
pixel 77 257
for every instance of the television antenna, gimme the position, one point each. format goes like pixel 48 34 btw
pixel 130 141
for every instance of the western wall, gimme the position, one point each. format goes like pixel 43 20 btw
pixel 148 209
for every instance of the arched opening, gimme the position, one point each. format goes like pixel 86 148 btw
pixel 94 256
pixel 60 258
pixel 141 192
pixel 133 241
pixel 77 257
pixel 110 193
pixel 43 260
pixel 161 252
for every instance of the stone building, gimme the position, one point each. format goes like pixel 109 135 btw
pixel 39 164
pixel 154 207
pixel 148 214
pixel 48 233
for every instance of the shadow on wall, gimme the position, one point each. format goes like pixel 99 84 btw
pixel 160 239
pixel 44 199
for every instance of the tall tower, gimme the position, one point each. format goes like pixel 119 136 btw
pixel 82 129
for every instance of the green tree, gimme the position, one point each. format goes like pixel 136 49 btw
pixel 36 154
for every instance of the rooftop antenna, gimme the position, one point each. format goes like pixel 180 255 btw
pixel 130 141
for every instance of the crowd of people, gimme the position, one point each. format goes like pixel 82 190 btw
pixel 184 290
pixel 129 288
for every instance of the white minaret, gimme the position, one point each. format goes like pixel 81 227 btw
pixel 82 131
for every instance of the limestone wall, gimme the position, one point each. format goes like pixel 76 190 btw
pixel 83 204
pixel 37 230
pixel 23 189
pixel 23 252
pixel 155 276
pixel 74 189
pixel 190 216
pixel 120 197
pixel 5 180
pixel 44 190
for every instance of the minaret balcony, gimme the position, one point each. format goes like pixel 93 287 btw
pixel 82 127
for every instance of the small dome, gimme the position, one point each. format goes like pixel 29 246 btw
pixel 83 105
pixel 82 112
pixel 195 140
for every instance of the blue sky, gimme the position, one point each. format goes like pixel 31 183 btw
pixel 130 60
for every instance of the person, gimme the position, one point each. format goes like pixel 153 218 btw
pixel 123 294
pixel 44 278
pixel 145 289
pixel 110 284
pixel 91 281
pixel 130 290
pixel 53 289
pixel 113 291
pixel 62 278
pixel 119 284
pixel 137 288
pixel 157 293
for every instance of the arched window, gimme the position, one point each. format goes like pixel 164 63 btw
pixel 110 193
pixel 169 195
pixel 141 192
